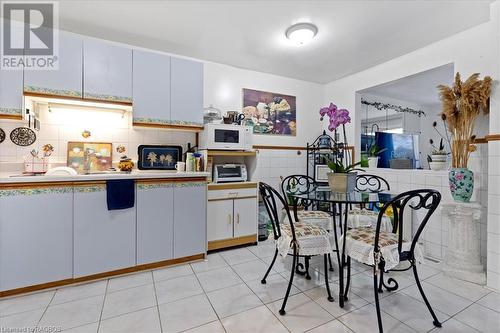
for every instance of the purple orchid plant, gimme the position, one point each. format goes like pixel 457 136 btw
pixel 337 116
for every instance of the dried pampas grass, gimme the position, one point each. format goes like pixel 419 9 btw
pixel 462 103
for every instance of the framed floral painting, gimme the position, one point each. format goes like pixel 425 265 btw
pixel 270 113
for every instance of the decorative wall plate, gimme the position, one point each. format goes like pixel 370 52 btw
pixel 23 136
pixel 2 135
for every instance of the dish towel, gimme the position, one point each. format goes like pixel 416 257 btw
pixel 120 193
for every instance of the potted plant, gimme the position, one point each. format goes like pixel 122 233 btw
pixel 437 160
pixel 462 104
pixel 373 151
pixel 342 178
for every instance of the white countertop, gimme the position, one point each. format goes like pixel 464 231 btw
pixel 7 178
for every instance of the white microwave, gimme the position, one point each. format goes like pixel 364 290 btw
pixel 226 137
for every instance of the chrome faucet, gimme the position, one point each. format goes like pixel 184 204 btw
pixel 87 156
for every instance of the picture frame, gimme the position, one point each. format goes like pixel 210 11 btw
pixel 158 157
pixel 75 155
pixel 321 173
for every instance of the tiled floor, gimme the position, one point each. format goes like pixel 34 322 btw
pixel 224 294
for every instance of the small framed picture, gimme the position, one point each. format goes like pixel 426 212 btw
pixel 321 173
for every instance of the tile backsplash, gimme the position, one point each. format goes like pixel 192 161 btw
pixel 61 126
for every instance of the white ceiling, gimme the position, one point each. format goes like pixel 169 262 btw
pixel 353 35
pixel 418 89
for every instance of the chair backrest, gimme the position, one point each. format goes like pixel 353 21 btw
pixel 298 184
pixel 415 200
pixel 272 199
pixel 371 183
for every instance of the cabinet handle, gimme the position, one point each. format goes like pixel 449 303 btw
pixel 229 218
pixel 238 218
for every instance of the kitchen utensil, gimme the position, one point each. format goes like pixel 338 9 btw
pixel 2 135
pixel 180 166
pixel 158 157
pixel 23 136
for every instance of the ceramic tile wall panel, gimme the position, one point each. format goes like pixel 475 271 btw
pixel 493 230
pixel 273 164
pixel 59 130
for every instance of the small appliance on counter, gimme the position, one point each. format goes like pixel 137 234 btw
pixel 230 173
pixel 226 137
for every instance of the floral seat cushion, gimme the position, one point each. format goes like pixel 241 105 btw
pixel 359 218
pixel 315 217
pixel 360 244
pixel 311 239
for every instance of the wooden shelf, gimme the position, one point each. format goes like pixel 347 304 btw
pixel 230 153
pixel 230 186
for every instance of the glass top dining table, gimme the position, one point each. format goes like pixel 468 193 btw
pixel 340 203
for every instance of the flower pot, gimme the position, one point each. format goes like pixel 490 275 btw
pixel 373 162
pixel 342 182
pixel 461 184
pixel 437 166
pixel 438 157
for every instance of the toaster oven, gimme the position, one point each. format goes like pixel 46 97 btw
pixel 226 173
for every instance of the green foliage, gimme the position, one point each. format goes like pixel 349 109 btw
pixel 374 150
pixel 339 167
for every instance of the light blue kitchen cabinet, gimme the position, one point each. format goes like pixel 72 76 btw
pixel 103 240
pixel 107 71
pixel 151 87
pixel 11 93
pixel 67 80
pixel 155 221
pixel 190 216
pixel 36 231
pixel 186 107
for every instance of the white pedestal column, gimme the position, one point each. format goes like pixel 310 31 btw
pixel 463 257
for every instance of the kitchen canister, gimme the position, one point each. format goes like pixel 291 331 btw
pixel 189 162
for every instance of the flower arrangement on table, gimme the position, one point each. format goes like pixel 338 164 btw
pixel 462 104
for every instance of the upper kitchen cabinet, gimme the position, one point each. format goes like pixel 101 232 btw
pixel 186 107
pixel 151 87
pixel 65 81
pixel 107 72
pixel 11 94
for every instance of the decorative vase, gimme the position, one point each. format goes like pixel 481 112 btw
pixel 437 166
pixel 342 182
pixel 373 162
pixel 461 184
pixel 439 157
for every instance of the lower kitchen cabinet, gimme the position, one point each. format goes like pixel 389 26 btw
pixel 155 221
pixel 232 215
pixel 36 235
pixel 103 240
pixel 190 215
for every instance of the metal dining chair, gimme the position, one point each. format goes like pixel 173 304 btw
pixel 362 216
pixel 298 239
pixel 385 250
pixel 309 213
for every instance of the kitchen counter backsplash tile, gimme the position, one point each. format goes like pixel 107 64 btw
pixel 35 191
pixel 11 111
pixel 165 122
pixel 58 132
pixel 90 188
pixel 54 92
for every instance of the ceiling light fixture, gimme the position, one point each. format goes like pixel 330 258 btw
pixel 301 33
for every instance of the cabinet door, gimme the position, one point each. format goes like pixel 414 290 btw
pixel 219 219
pixel 11 93
pixel 36 236
pixel 107 71
pixel 155 222
pixel 245 217
pixel 68 79
pixel 103 240
pixel 151 87
pixel 187 91
pixel 190 216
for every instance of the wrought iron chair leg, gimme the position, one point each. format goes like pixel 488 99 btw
pixel 381 280
pixel 330 298
pixel 348 282
pixel 330 262
pixel 263 281
pixel 377 304
pixel 436 321
pixel 308 277
pixel 295 256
